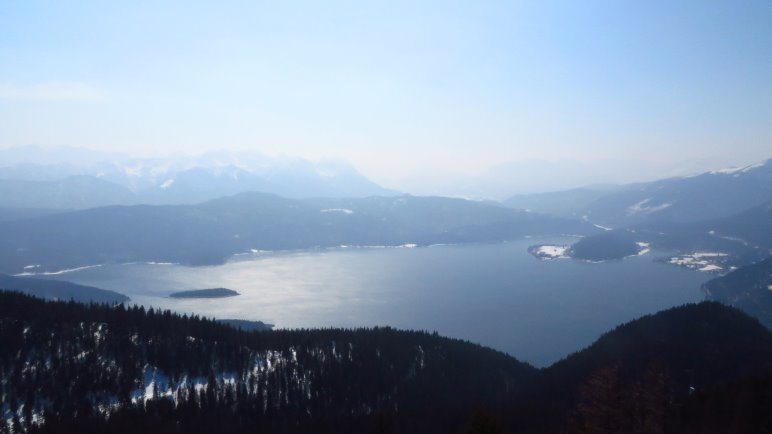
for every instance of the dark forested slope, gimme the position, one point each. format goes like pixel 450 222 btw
pixel 638 377
pixel 73 365
pixel 112 369
pixel 748 288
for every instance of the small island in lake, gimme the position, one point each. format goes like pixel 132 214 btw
pixel 205 293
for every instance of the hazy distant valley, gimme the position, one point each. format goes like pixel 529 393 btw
pixel 321 252
pixel 95 210
pixel 221 204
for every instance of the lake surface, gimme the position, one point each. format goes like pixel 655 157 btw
pixel 494 294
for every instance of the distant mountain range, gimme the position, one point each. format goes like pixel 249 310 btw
pixel 76 178
pixel 569 203
pixel 74 192
pixel 210 232
pixel 158 372
pixel 725 213
pixel 707 196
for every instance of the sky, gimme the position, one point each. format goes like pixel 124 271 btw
pixel 412 93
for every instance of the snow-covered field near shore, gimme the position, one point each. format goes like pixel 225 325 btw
pixel 547 252
pixel 707 262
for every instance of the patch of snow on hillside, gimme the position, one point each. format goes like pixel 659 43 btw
pixel 644 248
pixel 154 383
pixel 168 183
pixel 58 272
pixel 726 171
pixel 643 207
pixel 710 267
pixel 709 255
pixel 337 210
pixel 708 262
pixel 637 207
pixel 736 170
pixel 133 171
pixel 728 238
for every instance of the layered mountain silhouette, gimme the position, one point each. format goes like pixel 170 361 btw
pixel 75 178
pixel 211 232
pixel 706 196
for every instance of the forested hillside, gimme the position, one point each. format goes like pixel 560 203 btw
pixel 748 289
pixel 73 366
pixel 745 237
pixel 60 290
pixel 68 367
pixel 209 233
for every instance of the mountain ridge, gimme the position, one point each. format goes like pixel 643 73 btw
pixel 171 180
pixel 705 196
pixel 211 232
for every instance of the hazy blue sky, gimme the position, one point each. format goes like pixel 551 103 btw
pixel 401 89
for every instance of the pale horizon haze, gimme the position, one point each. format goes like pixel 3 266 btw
pixel 424 97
